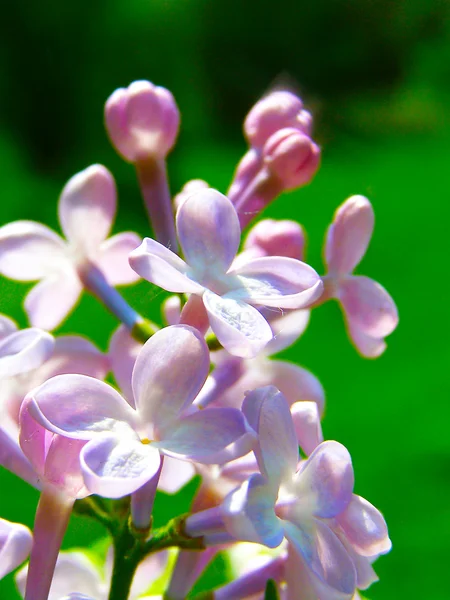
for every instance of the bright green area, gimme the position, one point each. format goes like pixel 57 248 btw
pixel 378 82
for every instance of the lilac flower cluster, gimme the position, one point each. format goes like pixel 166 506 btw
pixel 199 396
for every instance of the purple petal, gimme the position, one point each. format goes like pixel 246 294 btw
pixel 175 475
pixel 170 371
pixel 113 258
pixel 326 480
pixel 62 466
pixel 114 467
pixel 7 326
pixel 50 301
pixel 75 354
pixel 286 328
pixel 209 232
pixel 349 235
pixel 306 418
pixel 239 327
pixel 81 407
pixel 24 351
pixel 368 306
pixel 249 515
pixel 277 281
pixel 30 251
pixel 332 570
pixel 366 345
pixel 364 528
pixel 159 265
pixel 267 411
pixel 13 458
pixel 211 436
pixel 123 351
pixel 87 206
pixel 15 545
pixel 33 439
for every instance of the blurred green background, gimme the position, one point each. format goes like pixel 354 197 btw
pixel 376 75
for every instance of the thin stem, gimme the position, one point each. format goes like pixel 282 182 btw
pixel 127 556
pixel 94 507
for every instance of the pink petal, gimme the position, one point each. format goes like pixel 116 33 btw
pixel 276 281
pixel 62 466
pixel 366 345
pixel 123 351
pixel 34 439
pixel 75 354
pixel 175 475
pixel 159 265
pixel 113 258
pixel 268 413
pixel 86 209
pixel 15 545
pixel 211 436
pixel 286 328
pixel 30 251
pixel 24 351
pixel 81 407
pixel 331 570
pixel 248 513
pixel 349 235
pixel 209 232
pixel 368 306
pixel 50 301
pixel 297 577
pixel 306 418
pixel 114 467
pixel 7 326
pixel 170 371
pixel 326 480
pixel 364 528
pixel 14 459
pixel 239 327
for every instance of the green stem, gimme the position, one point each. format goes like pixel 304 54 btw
pixel 171 535
pixel 95 508
pixel 127 556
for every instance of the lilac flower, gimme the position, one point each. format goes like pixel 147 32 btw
pixel 124 443
pixel 209 234
pixel 15 545
pixel 30 251
pixel 76 574
pixel 369 310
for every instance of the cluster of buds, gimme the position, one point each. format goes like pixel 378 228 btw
pixel 196 395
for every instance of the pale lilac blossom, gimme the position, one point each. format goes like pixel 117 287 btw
pixel 31 251
pixel 15 546
pixel 124 444
pixel 209 234
pixel 369 310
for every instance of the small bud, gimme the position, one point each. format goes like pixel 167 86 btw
pixel 291 156
pixel 188 189
pixel 142 121
pixel 277 238
pixel 274 112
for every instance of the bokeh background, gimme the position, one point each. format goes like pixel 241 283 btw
pixel 377 77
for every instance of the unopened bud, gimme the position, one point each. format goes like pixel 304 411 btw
pixel 274 112
pixel 188 189
pixel 277 238
pixel 142 121
pixel 291 156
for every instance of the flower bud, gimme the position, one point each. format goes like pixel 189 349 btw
pixel 188 189
pixel 291 156
pixel 274 112
pixel 142 121
pixel 277 238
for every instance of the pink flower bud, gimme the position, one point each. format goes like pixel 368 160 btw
pixel 276 111
pixel 277 238
pixel 292 156
pixel 142 120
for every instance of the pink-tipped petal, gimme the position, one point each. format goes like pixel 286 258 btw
pixel 30 251
pixel 123 351
pixel 209 232
pixel 62 466
pixel 268 414
pixel 239 327
pixel 50 301
pixel 113 258
pixel 24 351
pixel 306 418
pixel 169 372
pixel 277 281
pixel 277 238
pixel 332 570
pixel 87 207
pixel 159 265
pixel 367 346
pixel 349 235
pixel 114 467
pixel 175 474
pixel 364 528
pixel 15 545
pixel 325 482
pixel 81 407
pixel 211 436
pixel 248 513
pixel 368 306
pixel 33 439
